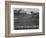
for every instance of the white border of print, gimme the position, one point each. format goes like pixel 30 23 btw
pixel 25 31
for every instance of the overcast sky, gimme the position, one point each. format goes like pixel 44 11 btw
pixel 28 9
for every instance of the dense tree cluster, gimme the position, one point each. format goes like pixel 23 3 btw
pixel 21 12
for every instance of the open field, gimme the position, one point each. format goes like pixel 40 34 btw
pixel 26 22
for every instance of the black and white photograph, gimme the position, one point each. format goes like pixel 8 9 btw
pixel 26 18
